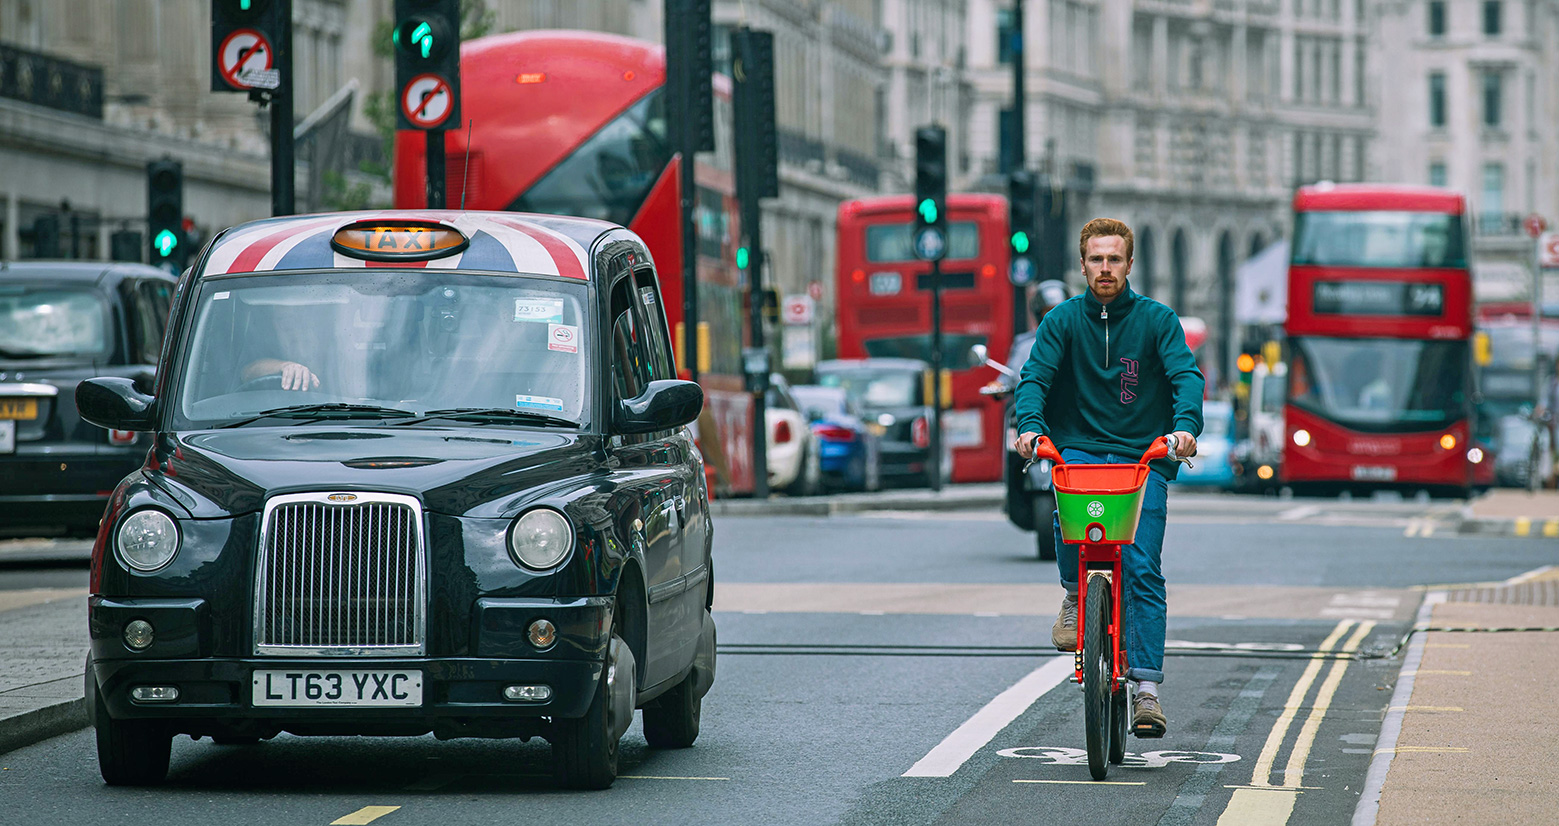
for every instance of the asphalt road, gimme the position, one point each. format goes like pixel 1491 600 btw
pixel 829 736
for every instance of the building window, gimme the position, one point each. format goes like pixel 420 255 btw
pixel 1493 87
pixel 1436 18
pixel 1491 17
pixel 1437 173
pixel 1437 100
pixel 1493 205
pixel 1006 37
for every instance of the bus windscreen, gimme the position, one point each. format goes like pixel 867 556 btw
pixel 887 243
pixel 1380 385
pixel 1379 239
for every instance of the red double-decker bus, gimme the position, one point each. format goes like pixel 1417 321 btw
pixel 1379 330
pixel 574 123
pixel 884 307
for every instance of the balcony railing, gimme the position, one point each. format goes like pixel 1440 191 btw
pixel 858 168
pixel 1499 224
pixel 48 81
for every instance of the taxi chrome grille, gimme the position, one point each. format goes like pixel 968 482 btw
pixel 341 574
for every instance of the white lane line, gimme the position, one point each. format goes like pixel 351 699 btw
pixel 977 731
pixel 1301 512
pixel 1391 728
pixel 1529 575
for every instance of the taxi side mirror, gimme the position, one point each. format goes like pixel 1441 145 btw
pixel 664 405
pixel 115 404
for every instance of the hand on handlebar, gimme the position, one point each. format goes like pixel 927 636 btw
pixel 1182 446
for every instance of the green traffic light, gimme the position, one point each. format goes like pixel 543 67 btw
pixel 165 242
pixel 423 36
pixel 1020 242
pixel 245 4
pixel 741 258
pixel 927 210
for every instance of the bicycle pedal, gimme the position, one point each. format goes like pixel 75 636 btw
pixel 1147 732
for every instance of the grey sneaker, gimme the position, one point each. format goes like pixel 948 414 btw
pixel 1147 719
pixel 1064 632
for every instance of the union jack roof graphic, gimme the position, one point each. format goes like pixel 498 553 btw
pixel 498 242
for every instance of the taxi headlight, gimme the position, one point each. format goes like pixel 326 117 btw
pixel 541 538
pixel 147 540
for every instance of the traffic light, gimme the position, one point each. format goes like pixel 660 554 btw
pixel 690 66
pixel 165 214
pixel 742 258
pixel 930 192
pixel 757 139
pixel 1020 197
pixel 125 245
pixel 244 35
pixel 46 236
pixel 426 40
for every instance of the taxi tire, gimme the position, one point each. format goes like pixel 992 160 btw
pixel 672 721
pixel 584 752
pixel 130 752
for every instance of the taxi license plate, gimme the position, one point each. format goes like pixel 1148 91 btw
pixel 1374 473
pixel 18 408
pixel 366 689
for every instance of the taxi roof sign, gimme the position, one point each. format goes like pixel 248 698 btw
pixel 398 240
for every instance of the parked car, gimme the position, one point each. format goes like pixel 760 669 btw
pixel 1213 465
pixel 418 474
pixel 61 323
pixel 849 450
pixel 890 394
pixel 792 453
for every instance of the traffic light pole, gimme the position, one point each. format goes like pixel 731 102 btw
pixel 936 374
pixel 1020 316
pixel 283 201
pixel 436 169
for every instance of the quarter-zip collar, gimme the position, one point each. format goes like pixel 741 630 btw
pixel 1103 313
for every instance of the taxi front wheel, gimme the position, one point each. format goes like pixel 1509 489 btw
pixel 130 752
pixel 584 751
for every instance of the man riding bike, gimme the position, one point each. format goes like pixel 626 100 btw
pixel 1110 372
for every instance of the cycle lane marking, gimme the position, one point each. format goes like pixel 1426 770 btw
pixel 978 731
pixel 1257 805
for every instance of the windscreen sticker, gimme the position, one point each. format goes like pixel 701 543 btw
pixel 541 402
pixel 563 338
pixel 221 295
pixel 542 310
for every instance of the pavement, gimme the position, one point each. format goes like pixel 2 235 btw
pixel 1435 761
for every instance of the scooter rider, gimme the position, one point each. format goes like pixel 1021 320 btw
pixel 1110 372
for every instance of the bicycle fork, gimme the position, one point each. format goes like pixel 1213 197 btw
pixel 1101 560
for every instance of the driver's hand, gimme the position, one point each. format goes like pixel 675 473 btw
pixel 1024 444
pixel 1185 444
pixel 295 376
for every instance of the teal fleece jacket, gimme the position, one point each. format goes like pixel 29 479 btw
pixel 1111 378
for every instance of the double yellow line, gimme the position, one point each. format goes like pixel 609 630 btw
pixel 1264 803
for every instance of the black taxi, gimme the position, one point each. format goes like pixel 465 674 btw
pixel 408 473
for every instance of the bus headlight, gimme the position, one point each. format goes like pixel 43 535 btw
pixel 1448 441
pixel 540 538
pixel 1474 455
pixel 147 540
pixel 1301 437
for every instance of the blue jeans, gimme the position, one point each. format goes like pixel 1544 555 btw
pixel 1142 615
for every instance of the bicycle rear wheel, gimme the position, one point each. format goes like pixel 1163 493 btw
pixel 1097 682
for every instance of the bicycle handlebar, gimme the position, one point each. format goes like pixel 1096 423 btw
pixel 1162 447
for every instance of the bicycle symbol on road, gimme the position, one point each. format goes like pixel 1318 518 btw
pixel 1096 509
pixel 1062 756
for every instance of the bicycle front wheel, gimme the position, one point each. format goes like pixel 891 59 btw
pixel 1097 676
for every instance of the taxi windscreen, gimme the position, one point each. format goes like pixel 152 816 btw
pixel 411 342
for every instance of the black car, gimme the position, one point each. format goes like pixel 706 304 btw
pixel 62 322
pixel 890 394
pixel 407 474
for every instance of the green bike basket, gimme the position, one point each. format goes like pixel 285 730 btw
pixel 1107 495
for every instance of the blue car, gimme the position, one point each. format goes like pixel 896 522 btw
pixel 848 449
pixel 1212 467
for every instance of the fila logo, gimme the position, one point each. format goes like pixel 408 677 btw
pixel 1128 381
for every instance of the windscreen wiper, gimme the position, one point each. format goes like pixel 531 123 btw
pixel 9 353
pixel 324 411
pixel 487 415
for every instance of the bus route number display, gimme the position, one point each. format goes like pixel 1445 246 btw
pixel 1379 298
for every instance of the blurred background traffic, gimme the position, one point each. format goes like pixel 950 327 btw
pixel 1344 201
